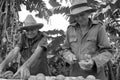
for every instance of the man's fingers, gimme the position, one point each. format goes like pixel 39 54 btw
pixel 87 56
pixel 83 65
pixel 74 57
pixel 23 71
pixel 70 57
pixel 25 74
pixel 16 74
pixel 28 73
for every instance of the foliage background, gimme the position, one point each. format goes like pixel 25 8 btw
pixel 108 12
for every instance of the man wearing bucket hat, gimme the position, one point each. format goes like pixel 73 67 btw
pixel 32 46
pixel 89 48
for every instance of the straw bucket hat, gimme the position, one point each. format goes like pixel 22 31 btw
pixel 30 24
pixel 79 6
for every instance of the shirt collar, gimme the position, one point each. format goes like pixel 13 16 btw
pixel 90 23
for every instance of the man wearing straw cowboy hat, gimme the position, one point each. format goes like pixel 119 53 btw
pixel 87 42
pixel 32 46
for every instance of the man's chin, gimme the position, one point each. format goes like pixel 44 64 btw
pixel 30 37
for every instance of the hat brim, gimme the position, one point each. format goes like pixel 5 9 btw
pixel 31 27
pixel 77 11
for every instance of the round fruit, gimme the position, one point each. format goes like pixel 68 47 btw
pixel 77 78
pixel 17 77
pixel 53 78
pixel 60 77
pixel 70 78
pixel 91 77
pixel 32 78
pixel 40 76
pixel 80 77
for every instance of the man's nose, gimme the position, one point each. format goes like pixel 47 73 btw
pixel 29 31
pixel 78 18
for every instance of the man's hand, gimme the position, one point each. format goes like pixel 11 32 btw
pixel 69 57
pixel 23 72
pixel 86 64
pixel 1 68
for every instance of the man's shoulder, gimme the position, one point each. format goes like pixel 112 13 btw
pixel 44 34
pixel 72 25
pixel 98 23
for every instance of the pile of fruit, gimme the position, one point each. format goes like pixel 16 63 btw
pixel 60 77
pixel 40 76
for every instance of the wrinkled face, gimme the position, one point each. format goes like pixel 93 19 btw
pixel 31 33
pixel 82 18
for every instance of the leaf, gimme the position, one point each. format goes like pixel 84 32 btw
pixel 39 15
pixel 61 9
pixel 54 3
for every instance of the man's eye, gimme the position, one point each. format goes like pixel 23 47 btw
pixel 29 30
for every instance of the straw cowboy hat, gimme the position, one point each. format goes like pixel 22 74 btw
pixel 30 24
pixel 79 6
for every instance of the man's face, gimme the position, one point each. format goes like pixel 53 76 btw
pixel 82 18
pixel 31 33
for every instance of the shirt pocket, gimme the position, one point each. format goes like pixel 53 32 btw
pixel 91 39
pixel 73 42
pixel 73 39
pixel 91 44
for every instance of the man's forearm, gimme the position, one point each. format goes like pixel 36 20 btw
pixel 34 56
pixel 11 55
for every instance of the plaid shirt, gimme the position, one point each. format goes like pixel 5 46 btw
pixel 27 48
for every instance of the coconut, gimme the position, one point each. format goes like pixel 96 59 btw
pixel 80 78
pixel 70 78
pixel 90 77
pixel 32 78
pixel 40 76
pixel 60 77
pixel 53 78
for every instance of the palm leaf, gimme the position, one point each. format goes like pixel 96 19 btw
pixel 61 10
pixel 54 3
pixel 35 5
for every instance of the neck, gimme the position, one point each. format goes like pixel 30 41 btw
pixel 84 25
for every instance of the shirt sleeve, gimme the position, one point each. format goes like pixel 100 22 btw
pixel 43 43
pixel 19 43
pixel 66 44
pixel 105 51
